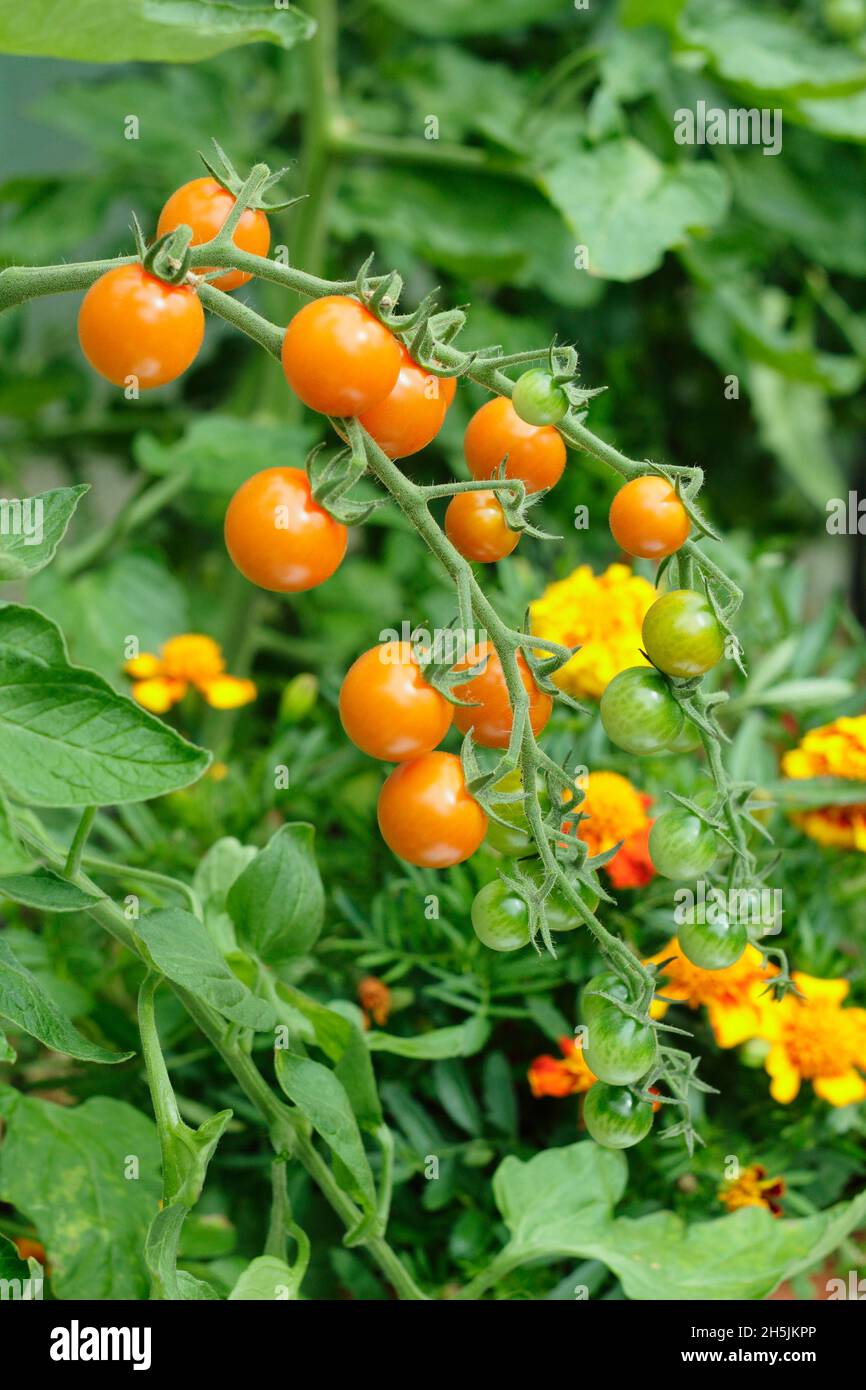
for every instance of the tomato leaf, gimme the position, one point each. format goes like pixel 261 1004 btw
pixel 462 1040
pixel 278 902
pixel 25 1004
pixel 181 949
pixel 46 891
pixel 67 738
pixel 32 529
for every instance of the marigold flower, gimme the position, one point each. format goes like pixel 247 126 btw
pixel 190 659
pixel 375 999
pixel 833 750
pixel 566 1076
pixel 28 1248
pixel 603 615
pixel 737 1005
pixel 753 1189
pixel 617 811
pixel 816 1039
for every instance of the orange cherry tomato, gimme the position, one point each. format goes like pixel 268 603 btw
pixel 476 525
pixel 648 519
pixel 338 357
pixel 203 204
pixel 536 453
pixel 490 716
pixel 427 816
pixel 448 388
pixel 278 536
pixel 131 324
pixel 387 708
pixel 411 414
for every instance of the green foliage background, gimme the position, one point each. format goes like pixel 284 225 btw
pixel 555 130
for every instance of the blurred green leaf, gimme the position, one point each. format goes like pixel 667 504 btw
pixel 30 537
pixel 277 903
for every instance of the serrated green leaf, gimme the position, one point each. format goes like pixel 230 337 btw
pixel 67 738
pixel 26 551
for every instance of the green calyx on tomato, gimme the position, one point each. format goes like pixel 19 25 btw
pixel 712 945
pixel 619 1049
pixel 682 635
pixel 639 711
pixel 615 1118
pixel 538 399
pixel 515 838
pixel 681 845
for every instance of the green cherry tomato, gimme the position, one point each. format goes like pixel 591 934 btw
pixel 606 983
pixel 561 916
pixel 515 838
pixel 500 917
pixel 688 738
pixel 537 399
pixel 617 1048
pixel 615 1118
pixel 681 846
pixel 712 945
pixel 682 635
pixel 639 713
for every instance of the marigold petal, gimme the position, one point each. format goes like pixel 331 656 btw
pixel 227 692
pixel 143 667
pixel 846 1089
pixel 159 694
pixel 833 991
pixel 732 1023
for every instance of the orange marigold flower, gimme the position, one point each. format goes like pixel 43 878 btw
pixel 617 811
pixel 753 1189
pixel 28 1248
pixel 833 750
pixel 190 659
pixel 737 1006
pixel 603 615
pixel 816 1039
pixel 375 999
pixel 552 1076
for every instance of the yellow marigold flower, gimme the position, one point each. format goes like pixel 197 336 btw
pixel 816 1039
pixel 753 1189
pixel 190 659
pixel 735 999
pixel 603 614
pixel 833 750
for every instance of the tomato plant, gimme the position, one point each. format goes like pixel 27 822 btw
pixel 489 714
pixel 615 1118
pixel 278 536
pixel 681 845
pixel 618 1049
pixel 411 415
pixel 135 328
pixel 537 399
pixel 340 359
pixel 427 816
pixel 712 945
pixel 682 635
pixel 639 712
pixel 476 526
pixel 496 433
pixel 387 708
pixel 203 204
pixel 648 519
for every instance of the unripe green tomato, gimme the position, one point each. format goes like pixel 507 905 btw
pixel 619 1049
pixel 514 839
pixel 537 399
pixel 681 846
pixel 298 698
pixel 561 915
pixel 682 635
pixel 639 713
pixel 845 18
pixel 712 945
pixel 500 917
pixel 615 1118
pixel 688 738
pixel 607 982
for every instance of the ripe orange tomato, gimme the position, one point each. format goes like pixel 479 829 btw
pixel 132 324
pixel 387 708
pixel 648 519
pixel 338 357
pixel 476 525
pixel 536 453
pixel 203 204
pixel 410 415
pixel 278 536
pixel 427 816
pixel 490 716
